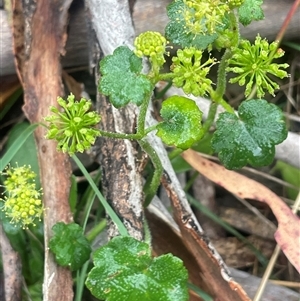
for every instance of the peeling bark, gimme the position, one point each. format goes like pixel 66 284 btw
pixel 12 268
pixel 121 180
pixel 38 63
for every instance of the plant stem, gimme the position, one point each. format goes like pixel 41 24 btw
pixel 210 118
pixel 175 153
pixel 221 80
pixel 217 95
pixel 150 129
pixel 123 231
pixel 158 170
pixel 166 76
pixel 120 135
pixel 142 117
pixel 287 21
pixel 91 235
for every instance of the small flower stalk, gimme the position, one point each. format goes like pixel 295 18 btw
pixel 253 64
pixel 73 128
pixel 22 202
pixel 189 73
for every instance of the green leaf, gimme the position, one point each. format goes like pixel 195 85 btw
pixel 182 125
pixel 291 175
pixel 176 31
pixel 125 271
pixel 69 245
pixel 16 145
pixel 250 137
pixel 21 157
pixel 73 194
pixel 250 10
pixel 122 79
pixel 180 165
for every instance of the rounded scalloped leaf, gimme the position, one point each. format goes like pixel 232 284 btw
pixel 182 122
pixel 125 271
pixel 251 136
pixel 69 245
pixel 121 78
pixel 176 29
pixel 250 10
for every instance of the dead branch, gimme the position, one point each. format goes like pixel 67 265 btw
pixel 122 181
pixel 12 268
pixel 38 42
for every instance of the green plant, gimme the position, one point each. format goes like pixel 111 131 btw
pixel 248 136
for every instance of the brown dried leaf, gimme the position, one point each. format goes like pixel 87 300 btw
pixel 288 231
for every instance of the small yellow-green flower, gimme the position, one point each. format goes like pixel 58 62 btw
pixel 253 64
pixel 73 128
pixel 204 16
pixel 234 3
pixel 151 44
pixel 189 73
pixel 22 202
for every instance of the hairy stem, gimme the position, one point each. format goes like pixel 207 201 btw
pixel 158 170
pixel 210 118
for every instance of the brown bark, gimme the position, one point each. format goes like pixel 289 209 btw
pixel 12 268
pixel 121 179
pixel 41 39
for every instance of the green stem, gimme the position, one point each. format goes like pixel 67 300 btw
pixel 166 76
pixel 161 93
pixel 92 234
pixel 235 29
pixel 175 153
pixel 150 129
pixel 120 135
pixel 123 231
pixel 221 80
pixel 210 118
pixel 82 273
pixel 158 170
pixel 191 181
pixel 142 117
pixel 217 95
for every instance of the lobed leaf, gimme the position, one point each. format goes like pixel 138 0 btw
pixel 176 31
pixel 251 136
pixel 182 122
pixel 124 270
pixel 122 79
pixel 69 245
pixel 250 10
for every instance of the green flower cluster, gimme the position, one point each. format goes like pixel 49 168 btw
pixel 189 73
pixel 23 202
pixel 254 62
pixel 151 44
pixel 204 16
pixel 73 128
pixel 234 3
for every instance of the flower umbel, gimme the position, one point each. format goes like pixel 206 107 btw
pixel 204 16
pixel 22 202
pixel 73 128
pixel 252 63
pixel 189 73
pixel 151 44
